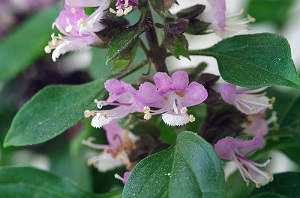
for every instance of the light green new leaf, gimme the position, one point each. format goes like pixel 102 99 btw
pixel 51 111
pixel 190 168
pixel 255 60
pixel 23 182
pixel 284 185
pixel 26 44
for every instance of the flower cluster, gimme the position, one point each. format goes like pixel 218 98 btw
pixel 232 149
pixel 170 96
pixel 253 106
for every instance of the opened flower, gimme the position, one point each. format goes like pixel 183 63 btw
pixel 223 26
pixel 235 150
pixel 170 96
pixel 115 154
pixel 78 29
pixel 248 102
pixel 121 96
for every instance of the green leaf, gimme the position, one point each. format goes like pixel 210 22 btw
pixel 255 60
pixel 127 38
pixel 30 182
pixel 291 115
pixel 177 44
pixel 126 57
pixel 189 168
pixel 26 43
pixel 284 185
pixel 51 111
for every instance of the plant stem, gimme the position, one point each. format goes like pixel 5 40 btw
pixel 135 68
pixel 157 54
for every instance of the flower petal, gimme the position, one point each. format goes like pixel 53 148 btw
pixel 148 95
pixel 105 162
pixel 228 92
pixel 99 121
pixel 114 134
pixel 246 146
pixel 194 94
pixel 162 81
pixel 175 120
pixel 126 176
pixel 251 104
pixel 219 9
pixel 180 81
pixel 225 147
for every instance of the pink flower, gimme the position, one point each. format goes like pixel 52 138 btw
pixel 124 7
pixel 246 101
pixel 231 149
pixel 223 26
pixel 120 95
pixel 257 123
pixel 171 96
pixel 115 154
pixel 78 29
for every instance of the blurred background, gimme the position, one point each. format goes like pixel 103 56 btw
pixel 25 29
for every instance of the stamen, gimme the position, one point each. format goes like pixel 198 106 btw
pixel 146 109
pixel 258 185
pixel 271 102
pixel 105 115
pixel 147 116
pixel 73 10
pixel 250 18
pixel 87 113
pixel 183 110
pixel 54 40
pixel 192 118
pixel 79 22
pixel 47 49
pixel 247 182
